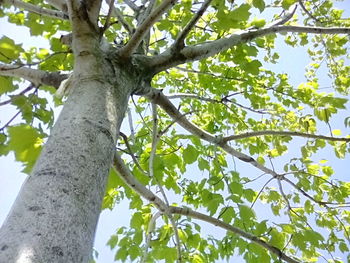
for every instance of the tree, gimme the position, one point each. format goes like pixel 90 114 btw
pixel 205 100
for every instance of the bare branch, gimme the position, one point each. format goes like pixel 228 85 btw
pixel 282 133
pixel 131 181
pixel 132 5
pixel 131 126
pixel 140 32
pixel 118 14
pixel 179 42
pixel 145 13
pixel 59 4
pixel 169 59
pixel 35 76
pixel 37 9
pixel 110 10
pixel 10 120
pixel 84 19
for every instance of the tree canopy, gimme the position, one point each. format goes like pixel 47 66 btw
pixel 220 129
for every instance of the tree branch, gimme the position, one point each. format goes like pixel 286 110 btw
pixel 59 4
pixel 130 180
pixel 285 18
pixel 37 9
pixel 84 19
pixel 140 32
pixel 133 157
pixel 282 133
pixel 150 230
pixel 132 5
pixel 180 41
pixel 156 96
pixel 35 76
pixel 191 53
pixel 155 140
pixel 30 87
pixel 118 14
pixel 307 12
pixel 109 14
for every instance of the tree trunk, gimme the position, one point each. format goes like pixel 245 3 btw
pixel 55 215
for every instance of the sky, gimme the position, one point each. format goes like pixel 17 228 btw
pixel 11 178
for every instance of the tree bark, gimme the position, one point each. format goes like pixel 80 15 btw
pixel 55 215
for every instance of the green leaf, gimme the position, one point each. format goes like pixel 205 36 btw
pixel 246 213
pixel 336 132
pixel 9 50
pixel 277 239
pixel 136 220
pixel 241 13
pixel 190 154
pixel 252 67
pixel 6 85
pixel 287 3
pixel 260 4
pixel 258 23
pixel 26 143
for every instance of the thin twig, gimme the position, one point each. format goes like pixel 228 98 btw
pixel 262 189
pixel 30 87
pixel 9 121
pixel 133 157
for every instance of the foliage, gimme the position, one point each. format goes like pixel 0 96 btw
pixel 301 207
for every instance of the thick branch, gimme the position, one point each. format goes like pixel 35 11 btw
pixel 130 180
pixel 140 32
pixel 35 76
pixel 169 59
pixel 282 133
pixel 84 19
pixel 37 9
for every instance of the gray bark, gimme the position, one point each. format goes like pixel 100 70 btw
pixel 55 215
